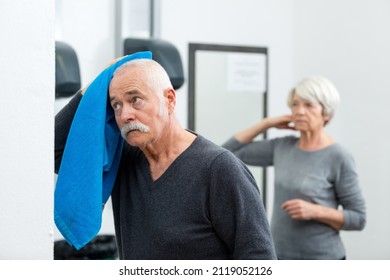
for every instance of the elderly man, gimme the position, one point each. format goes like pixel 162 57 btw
pixel 176 195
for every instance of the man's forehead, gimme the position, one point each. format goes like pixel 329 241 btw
pixel 130 92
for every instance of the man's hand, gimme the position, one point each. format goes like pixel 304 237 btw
pixel 107 65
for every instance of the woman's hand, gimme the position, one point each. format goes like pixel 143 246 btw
pixel 299 209
pixel 281 122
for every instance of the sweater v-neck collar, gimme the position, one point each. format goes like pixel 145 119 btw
pixel 171 168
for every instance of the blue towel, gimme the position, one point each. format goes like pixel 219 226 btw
pixel 90 162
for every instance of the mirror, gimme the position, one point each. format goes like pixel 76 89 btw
pixel 227 92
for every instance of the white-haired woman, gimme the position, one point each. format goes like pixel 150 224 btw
pixel 316 192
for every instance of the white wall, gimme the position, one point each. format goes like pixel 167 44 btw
pixel 349 42
pixel 246 22
pixel 88 26
pixel 27 129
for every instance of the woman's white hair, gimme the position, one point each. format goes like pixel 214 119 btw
pixel 317 89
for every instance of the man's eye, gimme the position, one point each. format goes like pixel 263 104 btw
pixel 116 106
pixel 137 102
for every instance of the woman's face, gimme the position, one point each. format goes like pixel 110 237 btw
pixel 307 116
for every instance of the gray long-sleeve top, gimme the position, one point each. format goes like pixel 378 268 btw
pixel 205 206
pixel 327 177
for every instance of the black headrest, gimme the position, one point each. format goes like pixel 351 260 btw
pixel 68 79
pixel 163 52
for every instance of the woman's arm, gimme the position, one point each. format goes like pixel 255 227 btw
pixel 299 209
pixel 247 135
pixel 350 195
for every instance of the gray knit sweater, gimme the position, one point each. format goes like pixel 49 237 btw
pixel 205 206
pixel 327 177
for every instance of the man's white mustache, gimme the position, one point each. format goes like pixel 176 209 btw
pixel 133 126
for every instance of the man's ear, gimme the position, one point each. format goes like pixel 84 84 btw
pixel 170 96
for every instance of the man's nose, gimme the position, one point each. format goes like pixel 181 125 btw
pixel 127 113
